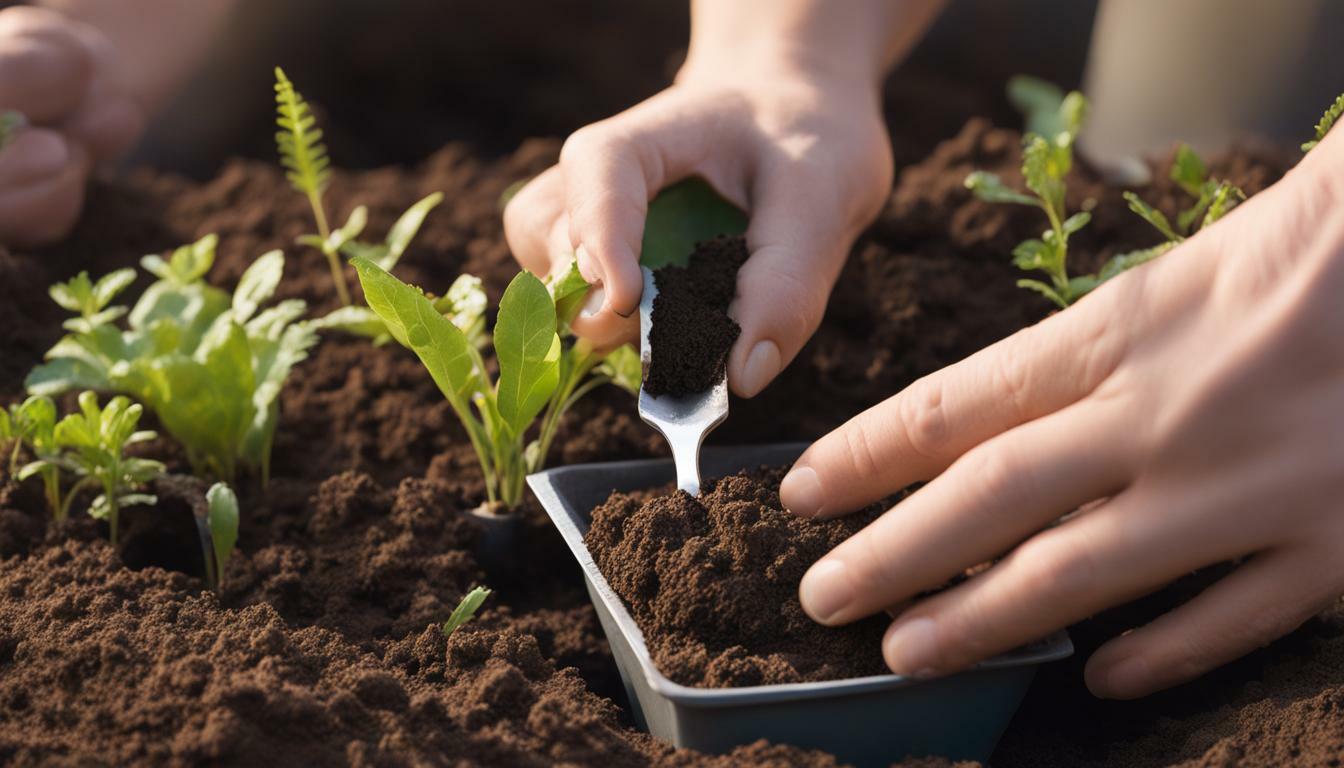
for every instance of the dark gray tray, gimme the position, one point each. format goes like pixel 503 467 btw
pixel 865 721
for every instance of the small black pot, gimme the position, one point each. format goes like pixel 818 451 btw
pixel 865 721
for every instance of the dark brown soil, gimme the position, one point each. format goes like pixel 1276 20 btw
pixel 690 331
pixel 322 648
pixel 712 582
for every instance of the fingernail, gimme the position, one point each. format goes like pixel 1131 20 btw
pixel 912 648
pixel 800 491
pixel 761 367
pixel 824 590
pixel 597 298
pixel 1126 676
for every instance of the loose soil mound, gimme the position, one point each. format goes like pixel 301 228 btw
pixel 690 332
pixel 712 582
pixel 321 650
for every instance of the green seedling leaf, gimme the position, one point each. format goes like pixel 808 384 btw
pixel 1039 103
pixel 1126 261
pixel 415 324
pixel 11 122
pixel 682 215
pixel 1152 216
pixel 1188 170
pixel 405 229
pixel 1044 290
pixel 257 285
pixel 568 291
pixel 623 367
pixel 464 304
pixel 465 610
pixel 1327 121
pixel 991 189
pixel 222 516
pixel 360 321
pixel 187 264
pixel 528 349
pixel 1223 200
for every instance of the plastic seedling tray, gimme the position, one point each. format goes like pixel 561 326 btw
pixel 864 721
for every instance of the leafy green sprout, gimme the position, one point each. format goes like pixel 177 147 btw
pixel 1327 121
pixel 94 441
pixel 308 168
pixel 222 522
pixel 465 610
pixel 210 365
pixel 1213 199
pixel 32 423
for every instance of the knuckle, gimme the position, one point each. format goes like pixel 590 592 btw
pixel 1000 474
pixel 582 144
pixel 923 417
pixel 1052 571
pixel 859 451
pixel 1012 373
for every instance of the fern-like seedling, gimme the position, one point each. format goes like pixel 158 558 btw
pixel 1213 199
pixel 306 163
pixel 1328 120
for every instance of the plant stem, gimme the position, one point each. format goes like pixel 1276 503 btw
pixel 333 258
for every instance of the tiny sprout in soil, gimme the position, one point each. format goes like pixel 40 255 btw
pixel 465 610
pixel 210 365
pixel 222 522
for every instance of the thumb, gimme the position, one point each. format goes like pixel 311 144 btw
pixel 799 236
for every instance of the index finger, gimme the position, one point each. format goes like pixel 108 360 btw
pixel 918 433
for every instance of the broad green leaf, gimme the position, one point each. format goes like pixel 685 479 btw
pixel 193 308
pixel 109 286
pixel 414 323
pixel 528 349
pixel 272 361
pixel 354 319
pixel 271 322
pixel 1044 290
pixel 682 215
pixel 465 610
pixel 404 230
pixel 257 285
pixel 62 375
pixel 223 522
pixel 187 264
pixel 991 189
pixel 1188 170
pixel 1152 216
pixel 74 294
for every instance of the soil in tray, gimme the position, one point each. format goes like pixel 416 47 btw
pixel 712 582
pixel 691 331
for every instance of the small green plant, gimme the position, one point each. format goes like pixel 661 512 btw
pixel 465 610
pixel 11 122
pixel 539 376
pixel 308 168
pixel 93 443
pixel 222 522
pixel 1328 120
pixel 32 423
pixel 210 365
pixel 1213 199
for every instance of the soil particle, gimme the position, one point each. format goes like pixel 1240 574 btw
pixel 713 583
pixel 691 331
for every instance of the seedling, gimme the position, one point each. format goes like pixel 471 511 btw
pixel 222 522
pixel 1213 200
pixel 465 610
pixel 1046 160
pixel 32 423
pixel 1328 120
pixel 93 443
pixel 538 375
pixel 308 168
pixel 11 122
pixel 210 365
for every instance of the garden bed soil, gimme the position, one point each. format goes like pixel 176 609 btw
pixel 323 646
pixel 690 331
pixel 712 582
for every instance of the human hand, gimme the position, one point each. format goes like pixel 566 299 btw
pixel 62 75
pixel 1198 401
pixel 805 154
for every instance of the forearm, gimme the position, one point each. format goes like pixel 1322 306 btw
pixel 853 40
pixel 158 43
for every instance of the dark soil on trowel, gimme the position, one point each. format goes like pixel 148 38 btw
pixel 712 582
pixel 323 648
pixel 690 331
